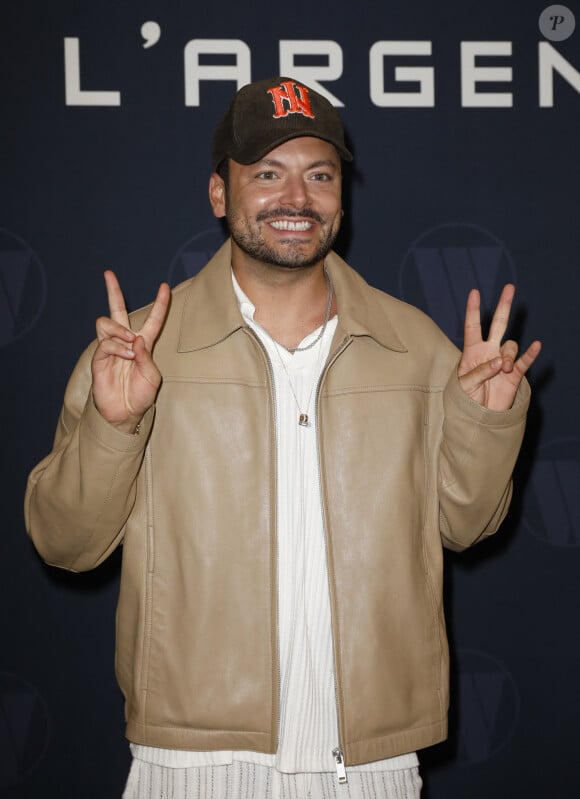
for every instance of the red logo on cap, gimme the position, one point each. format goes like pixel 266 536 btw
pixel 290 98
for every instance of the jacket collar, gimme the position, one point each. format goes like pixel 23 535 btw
pixel 211 312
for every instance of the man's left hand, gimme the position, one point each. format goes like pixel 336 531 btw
pixel 488 371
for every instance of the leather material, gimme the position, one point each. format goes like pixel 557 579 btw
pixel 407 462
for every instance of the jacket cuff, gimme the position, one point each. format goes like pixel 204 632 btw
pixel 108 435
pixel 457 397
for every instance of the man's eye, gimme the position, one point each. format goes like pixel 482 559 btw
pixel 322 176
pixel 267 175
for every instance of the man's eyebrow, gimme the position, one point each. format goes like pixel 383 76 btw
pixel 329 162
pixel 270 162
pixel 323 162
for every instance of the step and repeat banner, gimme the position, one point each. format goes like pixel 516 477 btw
pixel 464 120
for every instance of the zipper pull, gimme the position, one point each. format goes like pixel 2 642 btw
pixel 339 763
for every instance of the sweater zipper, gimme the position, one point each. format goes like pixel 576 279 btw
pixel 337 752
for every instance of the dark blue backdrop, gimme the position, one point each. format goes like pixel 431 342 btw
pixel 467 178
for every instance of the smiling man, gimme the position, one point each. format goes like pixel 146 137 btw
pixel 305 175
pixel 283 451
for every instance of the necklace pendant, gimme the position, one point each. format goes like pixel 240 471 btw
pixel 303 420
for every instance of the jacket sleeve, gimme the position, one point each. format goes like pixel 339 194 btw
pixel 78 498
pixel 476 460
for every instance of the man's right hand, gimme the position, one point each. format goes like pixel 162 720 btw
pixel 125 377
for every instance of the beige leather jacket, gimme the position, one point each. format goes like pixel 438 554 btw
pixel 407 462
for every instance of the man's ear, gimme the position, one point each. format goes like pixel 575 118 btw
pixel 217 195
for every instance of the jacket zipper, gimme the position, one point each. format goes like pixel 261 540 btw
pixel 339 764
pixel 273 398
pixel 337 752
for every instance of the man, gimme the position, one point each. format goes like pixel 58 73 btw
pixel 282 471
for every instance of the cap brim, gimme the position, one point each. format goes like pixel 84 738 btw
pixel 256 150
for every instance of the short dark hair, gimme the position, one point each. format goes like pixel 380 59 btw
pixel 223 170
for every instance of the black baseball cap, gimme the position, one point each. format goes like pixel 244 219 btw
pixel 268 113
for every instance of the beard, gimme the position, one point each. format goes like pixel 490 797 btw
pixel 288 252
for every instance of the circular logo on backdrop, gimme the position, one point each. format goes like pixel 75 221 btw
pixel 557 23
pixel 22 287
pixel 24 729
pixel 444 263
pixel 194 254
pixel 552 499
pixel 489 706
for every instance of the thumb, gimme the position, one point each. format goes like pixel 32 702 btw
pixel 476 377
pixel 145 363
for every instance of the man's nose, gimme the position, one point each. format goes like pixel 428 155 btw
pixel 295 192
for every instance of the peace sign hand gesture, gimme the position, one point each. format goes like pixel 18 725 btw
pixel 125 377
pixel 488 370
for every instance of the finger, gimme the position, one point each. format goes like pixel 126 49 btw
pixel 501 314
pixel 527 359
pixel 472 327
pixel 108 328
pixel 145 363
pixel 509 353
pixel 156 317
pixel 475 378
pixel 110 347
pixel 117 307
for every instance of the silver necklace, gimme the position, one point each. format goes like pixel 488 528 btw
pixel 303 418
pixel 292 350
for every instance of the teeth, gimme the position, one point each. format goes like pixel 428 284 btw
pixel 285 224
